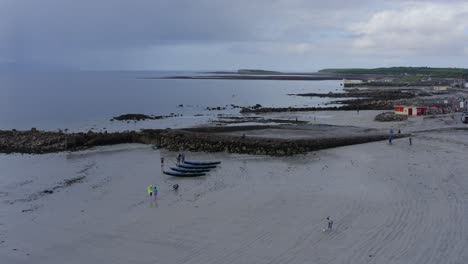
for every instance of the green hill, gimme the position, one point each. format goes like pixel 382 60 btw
pixel 434 72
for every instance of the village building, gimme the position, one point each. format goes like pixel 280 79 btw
pixel 410 110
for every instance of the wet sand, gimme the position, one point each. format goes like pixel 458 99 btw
pixel 390 204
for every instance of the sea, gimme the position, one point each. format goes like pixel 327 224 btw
pixel 79 101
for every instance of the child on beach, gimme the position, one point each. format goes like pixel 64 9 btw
pixel 150 190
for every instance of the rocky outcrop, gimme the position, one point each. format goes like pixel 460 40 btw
pixel 376 94
pixel 184 140
pixel 140 117
pixel 375 105
pixel 362 100
pixel 390 117
pixel 39 142
pixel 208 140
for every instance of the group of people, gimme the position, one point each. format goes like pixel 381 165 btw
pixel 390 137
pixel 153 190
pixel 180 158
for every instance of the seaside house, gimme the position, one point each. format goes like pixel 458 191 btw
pixel 410 110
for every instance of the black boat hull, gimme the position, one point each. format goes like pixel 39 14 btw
pixel 180 169
pixel 202 163
pixel 188 166
pixel 182 174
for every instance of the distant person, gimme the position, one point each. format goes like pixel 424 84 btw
pixel 182 158
pixel 399 132
pixel 391 131
pixel 179 157
pixel 155 191
pixel 410 141
pixel 162 162
pixel 329 223
pixel 390 140
pixel 150 190
pixel 175 187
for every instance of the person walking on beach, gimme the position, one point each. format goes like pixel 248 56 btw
pixel 390 137
pixel 329 223
pixel 155 191
pixel 179 157
pixel 410 141
pixel 150 190
pixel 162 163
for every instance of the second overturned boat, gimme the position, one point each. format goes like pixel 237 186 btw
pixel 190 166
pixel 180 169
pixel 191 162
pixel 184 174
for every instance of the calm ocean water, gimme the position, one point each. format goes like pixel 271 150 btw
pixel 89 99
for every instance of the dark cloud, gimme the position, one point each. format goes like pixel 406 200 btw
pixel 86 31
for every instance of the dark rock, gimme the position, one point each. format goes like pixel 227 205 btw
pixel 257 106
pixel 390 117
pixel 132 117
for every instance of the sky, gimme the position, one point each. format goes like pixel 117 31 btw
pixel 287 35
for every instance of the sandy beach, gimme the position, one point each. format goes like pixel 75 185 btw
pixel 269 132
pixel 390 204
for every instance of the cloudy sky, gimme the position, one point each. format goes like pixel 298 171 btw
pixel 290 35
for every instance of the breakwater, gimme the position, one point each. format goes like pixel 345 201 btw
pixel 202 139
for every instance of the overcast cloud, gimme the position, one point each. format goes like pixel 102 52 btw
pixel 291 35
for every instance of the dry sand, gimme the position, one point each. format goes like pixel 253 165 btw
pixel 390 204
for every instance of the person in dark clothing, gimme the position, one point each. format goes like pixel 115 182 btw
pixel 410 141
pixel 179 157
pixel 329 223
pixel 399 132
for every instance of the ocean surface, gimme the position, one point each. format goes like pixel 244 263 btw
pixel 83 100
